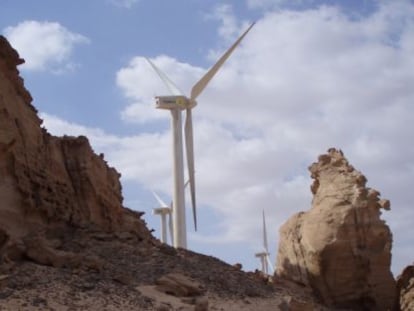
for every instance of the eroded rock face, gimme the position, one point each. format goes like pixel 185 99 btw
pixel 45 180
pixel 340 247
pixel 405 285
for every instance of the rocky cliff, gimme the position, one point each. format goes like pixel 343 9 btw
pixel 340 247
pixel 48 181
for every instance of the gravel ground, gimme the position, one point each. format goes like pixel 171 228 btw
pixel 106 271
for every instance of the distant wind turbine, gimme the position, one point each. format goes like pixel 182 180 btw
pixel 176 103
pixel 264 256
pixel 163 211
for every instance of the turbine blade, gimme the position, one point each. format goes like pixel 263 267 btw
pixel 272 270
pixel 202 83
pixel 190 161
pixel 167 81
pixel 170 227
pixel 265 244
pixel 160 201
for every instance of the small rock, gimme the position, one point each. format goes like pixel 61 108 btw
pixel 179 285
pixel 39 301
pixel 123 278
pixel 163 307
pixel 201 304
pixel 291 304
pixel 125 236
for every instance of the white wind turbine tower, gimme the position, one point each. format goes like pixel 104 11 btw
pixel 264 256
pixel 176 103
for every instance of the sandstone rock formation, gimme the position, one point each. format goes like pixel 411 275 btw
pixel 48 181
pixel 405 286
pixel 340 247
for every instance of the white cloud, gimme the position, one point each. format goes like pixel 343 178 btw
pixel 264 3
pixel 44 45
pixel 124 3
pixel 229 24
pixel 269 4
pixel 229 29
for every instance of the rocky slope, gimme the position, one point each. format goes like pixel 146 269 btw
pixel 119 272
pixel 340 247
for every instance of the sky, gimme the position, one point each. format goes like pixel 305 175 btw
pixel 309 76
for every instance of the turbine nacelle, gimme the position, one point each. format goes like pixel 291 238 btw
pixel 262 254
pixel 174 102
pixel 161 211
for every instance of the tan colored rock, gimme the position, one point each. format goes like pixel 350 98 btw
pixel 289 303
pixel 340 247
pixel 47 180
pixel 405 286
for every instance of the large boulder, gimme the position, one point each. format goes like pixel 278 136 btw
pixel 340 248
pixel 48 181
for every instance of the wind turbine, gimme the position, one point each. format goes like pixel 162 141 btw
pixel 264 256
pixel 163 211
pixel 176 103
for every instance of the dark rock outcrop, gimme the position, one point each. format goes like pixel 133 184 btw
pixel 340 247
